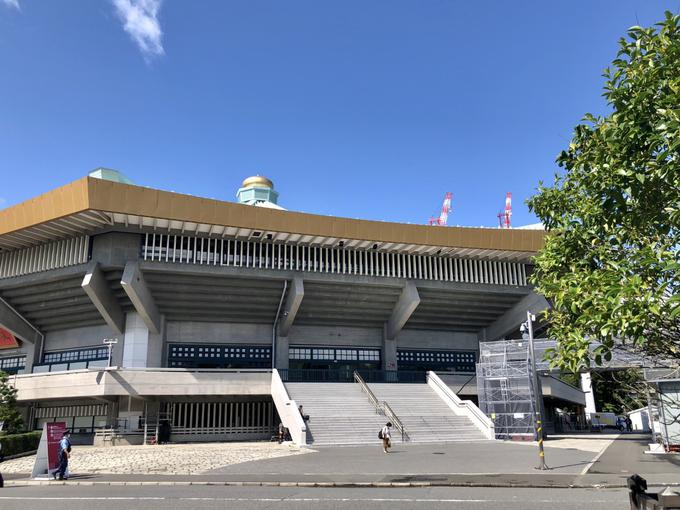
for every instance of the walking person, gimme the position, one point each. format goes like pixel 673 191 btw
pixel 386 437
pixel 64 455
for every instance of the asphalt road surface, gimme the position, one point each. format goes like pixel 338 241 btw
pixel 295 498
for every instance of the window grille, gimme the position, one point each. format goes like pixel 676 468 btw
pixel 458 361
pixel 263 254
pixel 67 252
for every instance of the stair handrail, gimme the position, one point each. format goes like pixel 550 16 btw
pixel 467 407
pixel 381 407
pixel 371 397
pixel 394 419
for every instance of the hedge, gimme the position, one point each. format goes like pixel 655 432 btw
pixel 19 443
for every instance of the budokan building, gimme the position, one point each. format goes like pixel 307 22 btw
pixel 227 316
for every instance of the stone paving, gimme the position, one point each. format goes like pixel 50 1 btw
pixel 585 443
pixel 173 459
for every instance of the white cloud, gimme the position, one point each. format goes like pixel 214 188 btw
pixel 140 20
pixel 12 3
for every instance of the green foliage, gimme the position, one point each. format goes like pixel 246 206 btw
pixel 8 408
pixel 610 265
pixel 619 392
pixel 19 443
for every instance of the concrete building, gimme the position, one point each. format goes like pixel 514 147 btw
pixel 207 297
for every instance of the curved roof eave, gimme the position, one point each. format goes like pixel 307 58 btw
pixel 89 204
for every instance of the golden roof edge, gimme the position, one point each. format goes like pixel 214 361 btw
pixel 112 197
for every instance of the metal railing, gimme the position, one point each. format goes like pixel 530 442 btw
pixel 345 375
pixel 381 407
pixel 262 254
pixel 371 397
pixel 394 419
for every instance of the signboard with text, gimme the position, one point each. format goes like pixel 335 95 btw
pixel 55 432
pixel 47 457
pixel 7 340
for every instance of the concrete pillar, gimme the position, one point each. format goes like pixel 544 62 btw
pixel 97 288
pixel 115 249
pixel 388 351
pixel 406 304
pixel 156 346
pixel 135 287
pixel 33 354
pixel 29 336
pixel 112 413
pixel 136 342
pixel 587 388
pixel 296 292
pixel 282 352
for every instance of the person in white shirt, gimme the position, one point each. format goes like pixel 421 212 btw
pixel 386 437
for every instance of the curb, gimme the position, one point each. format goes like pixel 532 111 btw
pixel 382 485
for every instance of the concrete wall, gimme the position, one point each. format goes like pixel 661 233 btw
pixel 156 347
pixel 242 333
pixel 114 249
pixel 336 335
pixel 423 339
pixel 136 345
pixel 84 337
pixel 139 383
pixel 218 332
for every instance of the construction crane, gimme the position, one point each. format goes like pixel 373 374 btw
pixel 504 217
pixel 444 215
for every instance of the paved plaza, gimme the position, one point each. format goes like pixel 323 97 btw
pixel 588 461
pixel 174 459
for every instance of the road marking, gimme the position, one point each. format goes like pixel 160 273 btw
pixel 597 457
pixel 292 500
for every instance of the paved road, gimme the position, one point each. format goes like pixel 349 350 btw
pixel 626 456
pixel 417 459
pixel 252 498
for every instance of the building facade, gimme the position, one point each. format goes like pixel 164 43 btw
pixel 206 297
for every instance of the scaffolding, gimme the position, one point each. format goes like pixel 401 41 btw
pixel 505 388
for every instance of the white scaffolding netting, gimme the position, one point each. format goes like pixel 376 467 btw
pixel 505 388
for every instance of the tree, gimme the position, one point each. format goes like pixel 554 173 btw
pixel 8 408
pixel 610 263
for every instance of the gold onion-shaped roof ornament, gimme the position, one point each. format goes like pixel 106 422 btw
pixel 257 181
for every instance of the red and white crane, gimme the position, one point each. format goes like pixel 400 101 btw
pixel 504 217
pixel 444 215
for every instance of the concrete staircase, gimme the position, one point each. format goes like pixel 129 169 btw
pixel 340 414
pixel 426 417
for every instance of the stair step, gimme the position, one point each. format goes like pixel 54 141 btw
pixel 342 415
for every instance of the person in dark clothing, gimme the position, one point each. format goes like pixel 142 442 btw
pixel 164 432
pixel 305 417
pixel 64 455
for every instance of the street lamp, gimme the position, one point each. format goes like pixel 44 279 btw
pixel 110 343
pixel 527 331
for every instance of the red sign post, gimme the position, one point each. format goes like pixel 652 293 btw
pixel 55 432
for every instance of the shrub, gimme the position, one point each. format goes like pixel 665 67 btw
pixel 13 444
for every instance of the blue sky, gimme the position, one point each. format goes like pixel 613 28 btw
pixel 359 108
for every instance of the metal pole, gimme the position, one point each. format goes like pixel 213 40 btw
pixel 109 343
pixel 539 398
